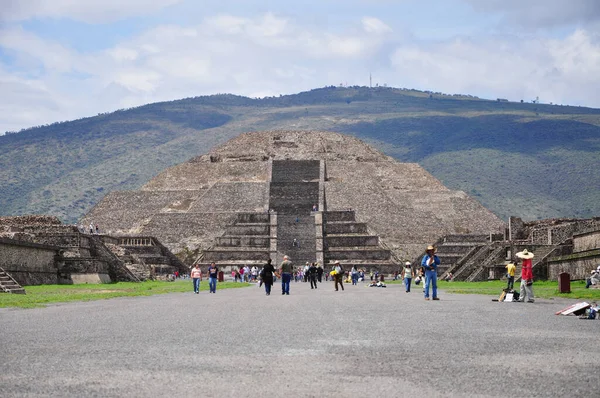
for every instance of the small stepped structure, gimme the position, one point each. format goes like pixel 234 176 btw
pixel 454 250
pixel 8 284
pixel 144 257
pixel 350 243
pixel 245 242
pixel 47 252
pixel 551 241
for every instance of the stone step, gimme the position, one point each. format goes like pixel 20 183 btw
pixel 228 255
pixel 459 238
pixel 16 290
pixel 253 218
pixel 247 230
pixel 295 170
pixel 8 284
pixel 364 253
pixel 345 228
pixel 238 241
pixel 351 240
pixel 339 216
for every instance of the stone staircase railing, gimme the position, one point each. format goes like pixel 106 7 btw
pixel 8 284
pixel 471 263
pixel 457 265
pixel 491 258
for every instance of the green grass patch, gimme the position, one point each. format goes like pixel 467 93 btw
pixel 541 289
pixel 39 296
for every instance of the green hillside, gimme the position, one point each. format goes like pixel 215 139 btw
pixel 529 160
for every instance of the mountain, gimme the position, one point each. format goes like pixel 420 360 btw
pixel 524 159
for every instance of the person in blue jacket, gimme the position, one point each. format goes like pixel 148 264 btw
pixel 430 264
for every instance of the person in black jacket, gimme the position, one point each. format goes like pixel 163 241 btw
pixel 319 272
pixel 312 275
pixel 267 276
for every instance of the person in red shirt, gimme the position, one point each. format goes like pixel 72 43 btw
pixel 526 291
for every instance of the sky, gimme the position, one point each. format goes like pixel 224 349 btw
pixel 66 59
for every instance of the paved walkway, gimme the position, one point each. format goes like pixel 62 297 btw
pixel 316 343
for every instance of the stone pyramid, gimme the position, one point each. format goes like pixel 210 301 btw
pixel 255 194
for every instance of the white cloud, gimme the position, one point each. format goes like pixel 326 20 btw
pixel 269 54
pixel 50 54
pixel 90 11
pixel 374 25
pixel 542 13
pixel 558 71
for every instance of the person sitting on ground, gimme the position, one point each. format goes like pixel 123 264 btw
pixel 593 280
pixel 377 284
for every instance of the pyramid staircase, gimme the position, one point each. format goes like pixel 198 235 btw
pixel 496 256
pixel 350 243
pixel 294 189
pixel 455 250
pixel 245 242
pixel 8 284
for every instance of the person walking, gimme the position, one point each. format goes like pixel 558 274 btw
pixel 338 277
pixel 305 271
pixel 319 272
pixel 286 269
pixel 510 274
pixel 526 290
pixel 407 274
pixel 196 274
pixel 213 271
pixel 354 275
pixel 312 275
pixel 430 263
pixel 267 276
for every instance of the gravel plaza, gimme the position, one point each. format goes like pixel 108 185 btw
pixel 360 342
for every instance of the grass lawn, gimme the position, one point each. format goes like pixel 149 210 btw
pixel 38 296
pixel 542 289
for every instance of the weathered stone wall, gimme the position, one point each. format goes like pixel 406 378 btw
pixel 193 230
pixel 555 231
pixel 29 263
pixel 403 204
pixel 234 196
pixel 128 211
pixel 577 265
pixel 30 220
pixel 587 241
pixel 201 173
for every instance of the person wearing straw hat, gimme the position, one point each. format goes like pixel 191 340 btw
pixel 338 276
pixel 526 276
pixel 430 264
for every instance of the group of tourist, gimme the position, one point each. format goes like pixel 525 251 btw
pixel 313 273
pixel 92 228
pixel 244 274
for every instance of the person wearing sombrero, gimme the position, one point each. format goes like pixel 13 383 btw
pixel 430 264
pixel 526 290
